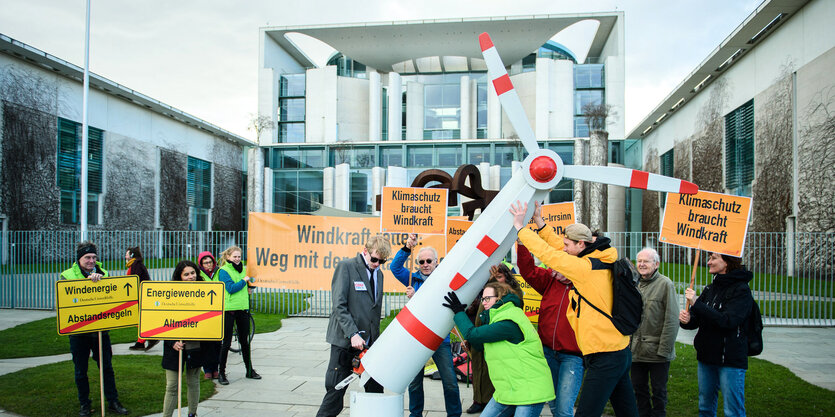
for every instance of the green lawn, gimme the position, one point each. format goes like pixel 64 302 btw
pixel 49 390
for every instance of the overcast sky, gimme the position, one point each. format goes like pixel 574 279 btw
pixel 201 56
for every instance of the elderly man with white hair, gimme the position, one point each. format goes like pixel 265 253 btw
pixel 653 345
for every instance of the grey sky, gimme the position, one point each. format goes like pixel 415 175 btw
pixel 202 56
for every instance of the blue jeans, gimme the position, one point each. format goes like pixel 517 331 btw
pixel 567 373
pixel 731 381
pixel 452 399
pixel 494 409
pixel 81 346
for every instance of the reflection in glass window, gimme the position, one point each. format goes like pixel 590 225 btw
pixel 564 150
pixel 585 97
pixel 588 76
pixel 505 155
pixel 291 132
pixel 291 110
pixel 363 157
pixel 420 156
pixel 481 111
pixel 563 192
pixel 449 156
pixel 477 154
pixel 581 127
pixel 291 85
pixel 391 157
pixel 297 191
pixel 360 200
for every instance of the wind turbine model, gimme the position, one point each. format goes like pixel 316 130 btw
pixel 417 331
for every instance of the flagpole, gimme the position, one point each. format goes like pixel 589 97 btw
pixel 84 128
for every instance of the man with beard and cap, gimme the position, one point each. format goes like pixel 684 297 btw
pixel 82 345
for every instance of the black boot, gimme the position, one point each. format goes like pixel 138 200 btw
pixel 85 411
pixel 137 346
pixel 221 378
pixel 151 343
pixel 246 353
pixel 116 407
pixel 475 408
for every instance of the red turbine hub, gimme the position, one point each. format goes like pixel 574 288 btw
pixel 543 169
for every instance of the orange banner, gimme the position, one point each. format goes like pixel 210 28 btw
pixel 414 210
pixel 557 215
pixel 710 221
pixel 301 252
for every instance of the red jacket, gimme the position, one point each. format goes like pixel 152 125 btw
pixel 554 329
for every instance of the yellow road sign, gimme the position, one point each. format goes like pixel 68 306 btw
pixel 86 306
pixel 181 310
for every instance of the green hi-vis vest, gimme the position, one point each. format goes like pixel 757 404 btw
pixel 74 272
pixel 240 299
pixel 519 372
pixel 207 278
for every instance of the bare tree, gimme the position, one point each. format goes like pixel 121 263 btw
pixel 260 124
pixel 597 115
pixel 816 158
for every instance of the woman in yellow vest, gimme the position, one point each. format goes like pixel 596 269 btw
pixel 512 350
pixel 232 274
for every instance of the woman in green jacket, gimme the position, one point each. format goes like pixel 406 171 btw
pixel 232 274
pixel 512 350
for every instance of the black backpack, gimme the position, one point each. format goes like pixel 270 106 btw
pixel 627 304
pixel 754 330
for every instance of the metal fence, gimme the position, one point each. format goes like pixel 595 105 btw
pixel 793 279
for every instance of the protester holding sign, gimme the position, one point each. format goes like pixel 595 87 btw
pixel 207 268
pixel 427 260
pixel 581 259
pixel 232 274
pixel 192 358
pixel 558 340
pixel 720 314
pixel 81 345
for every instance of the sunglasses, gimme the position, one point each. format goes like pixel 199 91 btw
pixel 488 297
pixel 377 260
pixel 424 261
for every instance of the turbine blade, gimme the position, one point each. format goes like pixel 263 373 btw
pixel 631 178
pixel 507 94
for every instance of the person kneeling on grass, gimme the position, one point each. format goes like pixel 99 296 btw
pixel 512 350
pixel 192 359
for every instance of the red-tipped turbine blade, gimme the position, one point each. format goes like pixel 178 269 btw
pixel 631 178
pixel 507 94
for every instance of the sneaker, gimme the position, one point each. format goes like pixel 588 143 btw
pixel 116 407
pixel 207 375
pixel 85 411
pixel 252 374
pixel 151 343
pixel 137 346
pixel 221 378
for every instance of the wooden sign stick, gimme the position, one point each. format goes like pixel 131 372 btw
pixel 101 376
pixel 693 276
pixel 180 383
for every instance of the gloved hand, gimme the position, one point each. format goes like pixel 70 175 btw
pixel 453 303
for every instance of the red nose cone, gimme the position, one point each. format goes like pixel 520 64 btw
pixel 543 169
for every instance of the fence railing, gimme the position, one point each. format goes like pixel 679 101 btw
pixel 794 279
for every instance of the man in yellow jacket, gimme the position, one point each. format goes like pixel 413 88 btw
pixel 582 259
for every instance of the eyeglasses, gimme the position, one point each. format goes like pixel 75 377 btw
pixel 424 261
pixel 488 297
pixel 377 260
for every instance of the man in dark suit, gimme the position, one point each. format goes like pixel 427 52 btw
pixel 357 292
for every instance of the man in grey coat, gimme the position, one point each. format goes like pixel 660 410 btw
pixel 357 293
pixel 653 345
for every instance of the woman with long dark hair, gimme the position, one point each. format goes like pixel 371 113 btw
pixel 721 315
pixel 192 358
pixel 136 266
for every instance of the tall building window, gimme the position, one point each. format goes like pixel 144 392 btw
pixel 69 171
pixel 481 110
pixel 199 193
pixel 589 88
pixel 291 103
pixel 667 169
pixel 739 149
pixel 564 191
pixel 442 106
pixel 297 191
pixel 385 114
